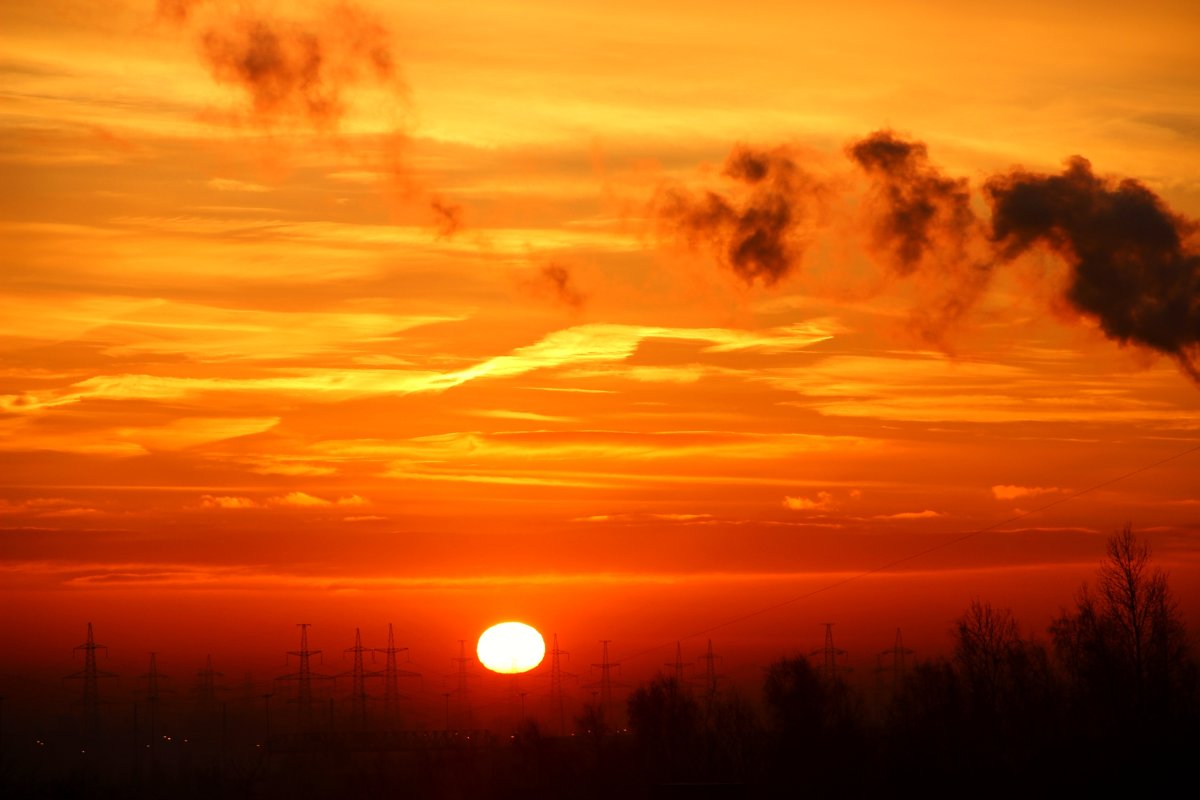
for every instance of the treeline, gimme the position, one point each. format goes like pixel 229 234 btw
pixel 1110 697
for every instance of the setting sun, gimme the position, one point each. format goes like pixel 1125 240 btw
pixel 511 647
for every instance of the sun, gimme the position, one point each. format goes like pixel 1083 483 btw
pixel 511 647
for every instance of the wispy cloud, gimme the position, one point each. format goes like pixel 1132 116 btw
pixel 926 514
pixel 291 499
pixel 1008 492
pixel 822 501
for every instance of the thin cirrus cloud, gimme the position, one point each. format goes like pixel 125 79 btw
pixel 596 343
pixel 933 387
pixel 504 446
pixel 128 439
pixel 127 326
pixel 291 499
pixel 1010 492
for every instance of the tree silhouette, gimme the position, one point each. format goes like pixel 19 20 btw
pixel 666 721
pixel 1125 645
pixel 987 642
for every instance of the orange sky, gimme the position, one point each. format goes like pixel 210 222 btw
pixel 349 313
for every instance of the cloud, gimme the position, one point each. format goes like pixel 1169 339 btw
pixel 1007 492
pixel 528 416
pixel 823 500
pixel 230 185
pixel 583 344
pixel 926 514
pixel 1131 266
pixel 635 518
pixel 291 499
pixel 756 227
pixel 221 501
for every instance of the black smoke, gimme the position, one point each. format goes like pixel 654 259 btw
pixel 1130 264
pixel 755 227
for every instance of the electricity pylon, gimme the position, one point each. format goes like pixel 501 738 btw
pixel 605 684
pixel 206 686
pixel 90 675
pixel 710 676
pixel 304 677
pixel 830 653
pixel 557 695
pixel 391 678
pixel 359 675
pixel 152 698
pixel 898 666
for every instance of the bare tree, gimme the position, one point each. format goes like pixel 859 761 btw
pixel 986 640
pixel 1125 643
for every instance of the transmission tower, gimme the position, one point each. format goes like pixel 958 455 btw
pixel 206 686
pixel 677 667
pixel 605 684
pixel 359 675
pixel 90 676
pixel 898 665
pixel 391 678
pixel 304 677
pixel 557 695
pixel 830 653
pixel 461 692
pixel 710 675
pixel 152 698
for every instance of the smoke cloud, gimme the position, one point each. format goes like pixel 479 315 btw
pixel 919 213
pixel 557 278
pixel 756 227
pixel 1130 264
pixel 293 73
pixel 922 221
pixel 448 217
pixel 292 70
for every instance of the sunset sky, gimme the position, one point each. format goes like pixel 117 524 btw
pixel 622 319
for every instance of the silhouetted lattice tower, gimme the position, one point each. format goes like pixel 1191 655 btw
pixel 206 686
pixel 391 678
pixel 605 684
pixel 557 695
pixel 898 665
pixel 710 675
pixel 153 696
pixel 461 691
pixel 359 675
pixel 678 668
pixel 829 667
pixel 304 677
pixel 90 675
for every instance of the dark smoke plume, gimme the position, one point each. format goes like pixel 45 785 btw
pixel 922 222
pixel 448 217
pixel 1131 267
pixel 292 70
pixel 176 10
pixel 754 229
pixel 919 213
pixel 558 279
